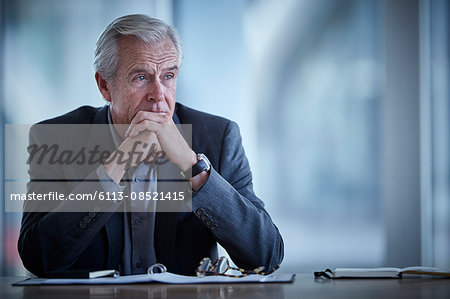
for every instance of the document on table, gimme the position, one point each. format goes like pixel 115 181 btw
pixel 165 277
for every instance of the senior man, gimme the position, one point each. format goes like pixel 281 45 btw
pixel 137 61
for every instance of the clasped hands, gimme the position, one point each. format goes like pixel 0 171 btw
pixel 150 133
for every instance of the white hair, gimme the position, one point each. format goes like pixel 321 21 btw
pixel 148 30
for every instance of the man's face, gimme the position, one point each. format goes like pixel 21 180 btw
pixel 145 80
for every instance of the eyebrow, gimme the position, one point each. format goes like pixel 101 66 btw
pixel 172 68
pixel 143 70
pixel 135 71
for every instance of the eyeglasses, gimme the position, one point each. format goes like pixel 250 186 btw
pixel 222 265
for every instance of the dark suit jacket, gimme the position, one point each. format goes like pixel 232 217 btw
pixel 224 210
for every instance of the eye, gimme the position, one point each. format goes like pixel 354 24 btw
pixel 140 77
pixel 169 76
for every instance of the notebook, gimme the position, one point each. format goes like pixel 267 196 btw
pixel 386 272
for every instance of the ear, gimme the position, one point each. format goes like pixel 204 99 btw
pixel 103 86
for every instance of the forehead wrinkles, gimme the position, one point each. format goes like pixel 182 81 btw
pixel 149 56
pixel 154 58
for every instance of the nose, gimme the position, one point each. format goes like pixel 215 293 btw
pixel 155 93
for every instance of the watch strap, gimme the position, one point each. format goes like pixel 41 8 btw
pixel 202 165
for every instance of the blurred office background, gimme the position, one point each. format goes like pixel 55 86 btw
pixel 343 107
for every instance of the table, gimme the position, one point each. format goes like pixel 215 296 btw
pixel 305 286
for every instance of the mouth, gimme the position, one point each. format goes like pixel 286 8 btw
pixel 155 111
pixel 157 108
pixel 159 112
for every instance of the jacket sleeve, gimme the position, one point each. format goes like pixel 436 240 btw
pixel 227 204
pixel 52 241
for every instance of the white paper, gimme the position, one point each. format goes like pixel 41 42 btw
pixel 106 280
pixel 160 277
pixel 181 279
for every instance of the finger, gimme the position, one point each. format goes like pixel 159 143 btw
pixel 136 129
pixel 143 126
pixel 147 115
pixel 142 116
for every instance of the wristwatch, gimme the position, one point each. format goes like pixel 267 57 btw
pixel 203 164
